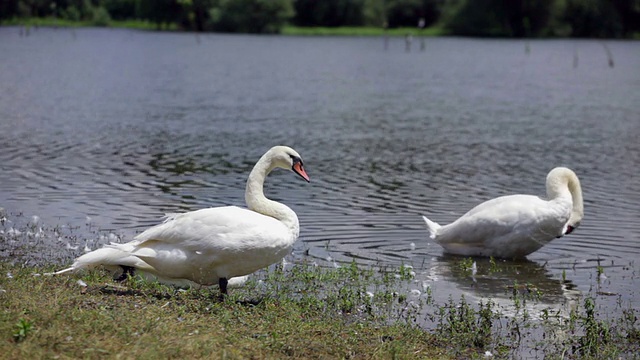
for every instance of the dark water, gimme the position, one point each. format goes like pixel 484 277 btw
pixel 103 131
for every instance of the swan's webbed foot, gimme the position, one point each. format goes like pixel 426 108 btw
pixel 126 271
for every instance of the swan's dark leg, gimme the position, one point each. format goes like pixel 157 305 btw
pixel 223 285
pixel 126 270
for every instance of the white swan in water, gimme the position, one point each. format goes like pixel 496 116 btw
pixel 211 246
pixel 516 225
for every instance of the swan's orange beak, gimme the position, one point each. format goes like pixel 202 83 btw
pixel 298 169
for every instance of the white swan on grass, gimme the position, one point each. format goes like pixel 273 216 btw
pixel 516 225
pixel 211 246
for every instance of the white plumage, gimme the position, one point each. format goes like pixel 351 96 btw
pixel 210 246
pixel 516 225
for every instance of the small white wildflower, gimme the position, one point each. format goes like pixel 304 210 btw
pixel 412 273
pixel 397 276
pixel 412 246
pixel 488 354
pixel 81 283
pixel 369 294
pixel 329 259
pixel 88 220
pixel 9 275
pixel 35 219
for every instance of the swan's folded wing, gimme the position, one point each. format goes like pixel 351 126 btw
pixel 214 228
pixel 507 216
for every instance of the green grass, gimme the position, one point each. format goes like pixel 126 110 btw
pixel 304 311
pixel 283 316
pixel 287 30
pixel 359 31
pixel 56 22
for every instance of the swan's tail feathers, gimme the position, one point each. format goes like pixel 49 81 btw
pixel 111 258
pixel 61 271
pixel 432 227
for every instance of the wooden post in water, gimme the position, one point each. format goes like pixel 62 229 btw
pixel 385 36
pixel 408 39
pixel 421 25
pixel 609 54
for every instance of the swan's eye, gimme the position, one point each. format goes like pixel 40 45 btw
pixel 295 159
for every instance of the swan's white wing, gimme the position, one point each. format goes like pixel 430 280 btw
pixel 219 227
pixel 505 226
pixel 233 240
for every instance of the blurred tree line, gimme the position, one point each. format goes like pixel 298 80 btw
pixel 505 18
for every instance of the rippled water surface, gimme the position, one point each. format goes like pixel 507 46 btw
pixel 104 131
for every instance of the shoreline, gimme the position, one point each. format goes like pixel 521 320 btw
pixel 303 311
pixel 288 30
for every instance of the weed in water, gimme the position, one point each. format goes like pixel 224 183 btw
pixel 466 264
pixel 493 266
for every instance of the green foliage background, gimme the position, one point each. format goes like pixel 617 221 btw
pixel 514 18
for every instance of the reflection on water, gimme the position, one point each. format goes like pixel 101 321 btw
pixel 120 127
pixel 503 281
pixel 501 278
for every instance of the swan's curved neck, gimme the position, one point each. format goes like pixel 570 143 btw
pixel 256 201
pixel 563 182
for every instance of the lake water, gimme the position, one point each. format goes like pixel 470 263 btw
pixel 102 131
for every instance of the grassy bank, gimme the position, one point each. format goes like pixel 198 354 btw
pixel 301 311
pixel 359 31
pixel 90 316
pixel 56 22
pixel 304 312
pixel 287 30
